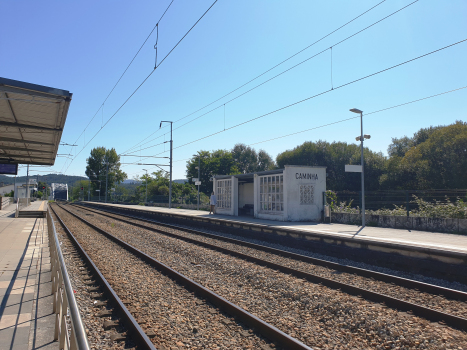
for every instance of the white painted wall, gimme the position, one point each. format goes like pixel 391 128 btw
pixel 292 182
pixel 246 194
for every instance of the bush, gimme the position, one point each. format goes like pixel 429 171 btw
pixel 438 209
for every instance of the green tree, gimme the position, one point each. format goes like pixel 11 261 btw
pixel 218 162
pixel 334 156
pixel 99 161
pixel 248 161
pixel 434 158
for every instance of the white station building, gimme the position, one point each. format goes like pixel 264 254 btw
pixel 291 194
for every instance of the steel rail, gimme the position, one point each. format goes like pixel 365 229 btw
pixel 136 332
pixel 404 282
pixel 267 330
pixel 416 309
pixel 77 339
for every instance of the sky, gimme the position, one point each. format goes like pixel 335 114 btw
pixel 85 47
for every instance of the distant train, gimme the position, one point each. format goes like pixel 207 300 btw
pixel 60 191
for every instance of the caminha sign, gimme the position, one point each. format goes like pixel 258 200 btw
pixel 306 176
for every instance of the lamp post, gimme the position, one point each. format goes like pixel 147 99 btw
pixel 171 148
pixel 146 200
pixel 99 190
pixel 106 180
pixel 361 138
pixel 199 170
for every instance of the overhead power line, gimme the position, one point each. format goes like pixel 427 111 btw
pixel 344 120
pixel 279 74
pixel 123 104
pixel 319 94
pixel 366 114
pixel 121 76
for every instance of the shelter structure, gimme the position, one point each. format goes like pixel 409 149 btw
pixel 294 193
pixel 32 118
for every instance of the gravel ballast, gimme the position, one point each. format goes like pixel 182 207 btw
pixel 174 317
pixel 318 316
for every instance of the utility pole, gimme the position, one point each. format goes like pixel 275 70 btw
pixel 106 180
pixel 171 149
pixel 27 184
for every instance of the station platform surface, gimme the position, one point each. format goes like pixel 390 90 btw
pixel 27 320
pixel 410 238
pixel 36 206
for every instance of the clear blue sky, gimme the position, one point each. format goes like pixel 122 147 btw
pixel 84 46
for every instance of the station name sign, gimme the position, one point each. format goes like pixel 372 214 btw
pixel 306 176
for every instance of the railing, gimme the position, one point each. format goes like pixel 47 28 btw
pixel 64 300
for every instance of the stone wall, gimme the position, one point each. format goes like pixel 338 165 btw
pixel 404 222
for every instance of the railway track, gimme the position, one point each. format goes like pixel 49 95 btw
pixel 249 329
pixel 420 310
pixel 110 312
pixel 292 294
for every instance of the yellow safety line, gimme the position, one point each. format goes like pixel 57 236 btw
pixel 42 205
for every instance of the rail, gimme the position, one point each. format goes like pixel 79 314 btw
pixel 64 299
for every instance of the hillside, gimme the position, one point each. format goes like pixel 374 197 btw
pixel 50 178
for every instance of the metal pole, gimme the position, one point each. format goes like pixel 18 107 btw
pixel 106 178
pixel 14 190
pixel 99 191
pixel 170 184
pixel 363 172
pixel 27 184
pixel 146 200
pixel 199 170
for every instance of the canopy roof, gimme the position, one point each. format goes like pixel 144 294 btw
pixel 32 118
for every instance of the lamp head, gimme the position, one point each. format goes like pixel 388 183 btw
pixel 356 110
pixel 367 137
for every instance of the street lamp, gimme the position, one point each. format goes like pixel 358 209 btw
pixel 361 138
pixel 171 148
pixel 199 179
pixel 106 179
pixel 146 186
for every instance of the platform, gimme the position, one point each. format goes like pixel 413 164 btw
pixel 36 209
pixel 26 310
pixel 422 241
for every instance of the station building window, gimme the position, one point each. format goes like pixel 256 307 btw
pixel 271 191
pixel 224 193
pixel 307 194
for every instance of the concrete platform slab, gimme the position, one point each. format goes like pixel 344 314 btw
pixel 411 238
pixel 26 317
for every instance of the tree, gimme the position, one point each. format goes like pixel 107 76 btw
pixel 248 161
pixel 218 162
pixel 334 156
pixel 96 169
pixel 434 158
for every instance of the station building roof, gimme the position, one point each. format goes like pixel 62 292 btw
pixel 32 118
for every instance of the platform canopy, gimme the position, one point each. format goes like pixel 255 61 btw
pixel 32 118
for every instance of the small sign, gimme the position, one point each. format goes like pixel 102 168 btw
pixel 195 179
pixel 353 168
pixel 198 183
pixel 113 189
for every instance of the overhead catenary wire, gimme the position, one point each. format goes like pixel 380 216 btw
pixel 320 94
pixel 281 73
pixel 126 69
pixel 351 118
pixel 344 120
pixel 142 83
pixel 268 70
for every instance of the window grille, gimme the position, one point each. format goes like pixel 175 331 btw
pixel 307 194
pixel 224 193
pixel 271 192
